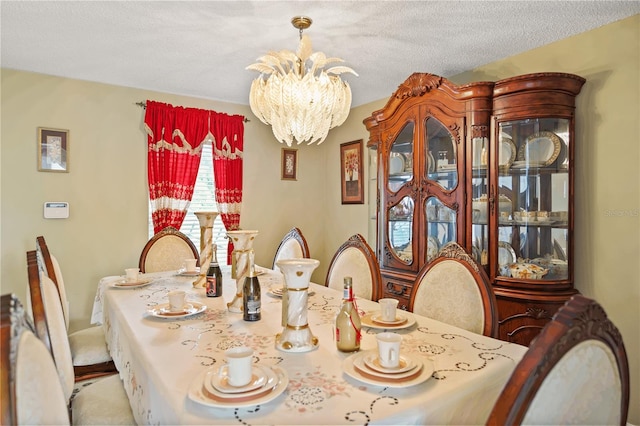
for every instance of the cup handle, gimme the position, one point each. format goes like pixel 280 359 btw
pixel 393 355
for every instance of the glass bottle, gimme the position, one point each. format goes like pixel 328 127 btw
pixel 251 296
pixel 348 321
pixel 214 276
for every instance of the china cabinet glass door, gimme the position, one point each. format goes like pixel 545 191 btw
pixel 533 206
pixel 400 210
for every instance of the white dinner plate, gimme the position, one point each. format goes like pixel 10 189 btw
pixel 367 321
pixel 407 363
pixel 140 282
pixel 163 311
pixel 369 376
pixel 217 383
pixel 197 392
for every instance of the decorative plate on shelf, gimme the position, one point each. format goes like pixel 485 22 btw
pixel 541 148
pixel 506 253
pixel 431 166
pixel 507 152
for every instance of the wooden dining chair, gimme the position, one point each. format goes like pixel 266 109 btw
pixel 29 386
pixel 575 371
pixel 166 251
pixel 88 346
pixel 454 289
pixel 355 259
pixel 100 403
pixel 292 246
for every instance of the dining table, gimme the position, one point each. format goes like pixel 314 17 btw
pixel 167 363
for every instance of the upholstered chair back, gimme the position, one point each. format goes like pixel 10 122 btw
pixel 355 259
pixel 30 390
pixel 454 289
pixel 576 371
pixel 166 251
pixel 292 246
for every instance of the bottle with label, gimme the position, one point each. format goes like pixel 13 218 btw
pixel 214 277
pixel 251 296
pixel 348 324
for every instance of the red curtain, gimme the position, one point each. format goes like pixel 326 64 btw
pixel 175 136
pixel 228 134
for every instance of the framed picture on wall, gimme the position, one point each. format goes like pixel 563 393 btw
pixel 351 176
pixel 53 150
pixel 289 164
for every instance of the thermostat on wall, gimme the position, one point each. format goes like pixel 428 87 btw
pixel 56 210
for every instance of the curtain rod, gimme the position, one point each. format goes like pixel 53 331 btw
pixel 144 105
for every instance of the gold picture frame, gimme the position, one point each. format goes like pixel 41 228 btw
pixel 289 164
pixel 351 173
pixel 53 150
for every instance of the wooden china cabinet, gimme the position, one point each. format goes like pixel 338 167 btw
pixel 490 166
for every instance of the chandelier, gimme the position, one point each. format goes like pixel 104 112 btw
pixel 296 95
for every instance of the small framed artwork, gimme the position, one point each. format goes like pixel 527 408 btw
pixel 53 150
pixel 352 178
pixel 289 164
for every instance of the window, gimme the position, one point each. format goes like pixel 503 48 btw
pixel 203 200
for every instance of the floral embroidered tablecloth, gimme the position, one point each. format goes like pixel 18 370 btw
pixel 158 359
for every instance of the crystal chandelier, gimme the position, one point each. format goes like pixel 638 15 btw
pixel 296 95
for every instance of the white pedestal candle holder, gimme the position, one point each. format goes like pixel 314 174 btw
pixel 242 244
pixel 206 220
pixel 296 335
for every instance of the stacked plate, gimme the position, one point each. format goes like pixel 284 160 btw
pixel 366 367
pixel 374 320
pixel 212 387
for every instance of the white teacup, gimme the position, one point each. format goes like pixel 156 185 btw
pixel 190 265
pixel 131 274
pixel 388 309
pixel 176 300
pixel 238 366
pixel 389 349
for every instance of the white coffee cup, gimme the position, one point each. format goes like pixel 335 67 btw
pixel 176 300
pixel 190 265
pixel 388 309
pixel 389 349
pixel 131 274
pixel 238 366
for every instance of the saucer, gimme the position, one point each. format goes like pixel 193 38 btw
pixel 183 273
pixel 163 310
pixel 221 381
pixel 140 282
pixel 372 361
pixel 355 368
pixel 202 391
pixel 368 321
pixel 398 321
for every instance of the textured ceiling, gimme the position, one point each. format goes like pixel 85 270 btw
pixel 201 48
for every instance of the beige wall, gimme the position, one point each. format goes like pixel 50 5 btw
pixel 106 187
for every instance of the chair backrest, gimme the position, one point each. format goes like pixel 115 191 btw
pixel 576 371
pixel 29 387
pixel 355 258
pixel 166 251
pixel 454 289
pixel 46 304
pixel 292 246
pixel 49 265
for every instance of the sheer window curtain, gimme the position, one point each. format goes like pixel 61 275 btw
pixel 175 137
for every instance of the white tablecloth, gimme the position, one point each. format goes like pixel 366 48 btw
pixel 158 359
